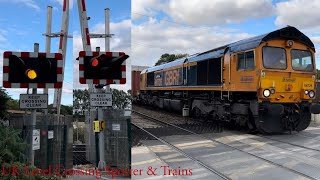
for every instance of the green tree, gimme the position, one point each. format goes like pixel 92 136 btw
pixel 165 58
pixel 318 74
pixel 80 101
pixel 13 104
pixel 66 109
pixel 120 99
pixel 12 146
pixel 12 149
pixel 4 97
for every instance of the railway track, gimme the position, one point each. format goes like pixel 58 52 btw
pixel 153 119
pixel 292 144
pixel 214 171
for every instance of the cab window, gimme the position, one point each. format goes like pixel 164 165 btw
pixel 246 60
pixel 301 60
pixel 274 57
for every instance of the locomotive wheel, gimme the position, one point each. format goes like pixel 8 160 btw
pixel 196 112
pixel 304 119
pixel 304 122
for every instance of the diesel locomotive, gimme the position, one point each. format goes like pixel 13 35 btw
pixel 265 83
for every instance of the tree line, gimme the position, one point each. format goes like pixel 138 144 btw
pixel 81 100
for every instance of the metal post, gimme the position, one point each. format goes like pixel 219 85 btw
pixel 107 39
pixel 102 162
pixel 48 41
pixel 77 130
pixel 107 29
pixel 33 117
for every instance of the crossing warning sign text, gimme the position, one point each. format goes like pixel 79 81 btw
pixel 33 101
pixel 101 99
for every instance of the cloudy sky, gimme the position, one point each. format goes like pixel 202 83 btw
pixel 22 23
pixel 192 26
pixel 156 27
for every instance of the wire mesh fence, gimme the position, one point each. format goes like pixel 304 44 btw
pixel 51 138
pixel 118 139
pixel 117 135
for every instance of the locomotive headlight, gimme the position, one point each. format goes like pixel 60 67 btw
pixel 266 93
pixel 306 92
pixel 272 91
pixel 311 94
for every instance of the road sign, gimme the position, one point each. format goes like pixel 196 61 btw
pixel 33 101
pixel 50 134
pixel 101 99
pixel 32 70
pixel 102 67
pixel 115 127
pixel 36 139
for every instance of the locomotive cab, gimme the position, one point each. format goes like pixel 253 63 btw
pixel 287 74
pixel 286 85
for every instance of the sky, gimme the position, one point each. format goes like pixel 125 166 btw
pixel 193 26
pixel 22 23
pixel 146 29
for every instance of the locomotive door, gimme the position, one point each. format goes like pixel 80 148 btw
pixel 242 71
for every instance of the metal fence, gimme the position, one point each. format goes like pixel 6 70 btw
pixel 117 138
pixel 55 139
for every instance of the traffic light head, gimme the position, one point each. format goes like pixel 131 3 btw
pixel 43 70
pixel 98 66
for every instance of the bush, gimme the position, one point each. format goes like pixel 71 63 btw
pixel 12 149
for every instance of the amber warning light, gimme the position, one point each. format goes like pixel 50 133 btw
pixel 31 74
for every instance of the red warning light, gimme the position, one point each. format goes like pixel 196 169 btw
pixel 95 62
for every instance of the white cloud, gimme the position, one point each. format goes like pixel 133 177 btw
pixel 303 14
pixel 197 12
pixel 219 11
pixel 120 42
pixel 153 38
pixel 29 3
pixel 145 7
pixel 315 40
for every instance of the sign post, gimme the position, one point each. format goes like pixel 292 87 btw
pixel 34 117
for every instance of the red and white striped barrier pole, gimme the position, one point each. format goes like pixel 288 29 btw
pixel 62 48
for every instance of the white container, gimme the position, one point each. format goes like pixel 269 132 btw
pixel 185 112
